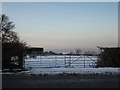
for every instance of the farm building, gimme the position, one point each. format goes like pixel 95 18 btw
pixel 34 50
pixel 109 57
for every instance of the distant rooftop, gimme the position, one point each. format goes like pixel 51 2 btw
pixel 33 47
pixel 31 50
pixel 108 47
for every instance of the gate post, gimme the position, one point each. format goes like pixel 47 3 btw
pixel 55 61
pixel 84 60
pixel 65 61
pixel 70 61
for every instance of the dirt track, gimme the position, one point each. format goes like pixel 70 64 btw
pixel 54 81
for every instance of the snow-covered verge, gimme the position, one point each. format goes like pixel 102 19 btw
pixel 66 71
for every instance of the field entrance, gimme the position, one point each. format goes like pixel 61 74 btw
pixel 60 61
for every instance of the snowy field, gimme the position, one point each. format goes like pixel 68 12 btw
pixel 65 64
pixel 60 61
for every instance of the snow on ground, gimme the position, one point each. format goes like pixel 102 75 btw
pixel 52 71
pixel 55 64
pixel 60 61
pixel 66 71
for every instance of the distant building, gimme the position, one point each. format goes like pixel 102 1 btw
pixel 34 50
pixel 109 56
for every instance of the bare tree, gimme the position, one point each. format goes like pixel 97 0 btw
pixel 6 27
pixel 11 45
pixel 78 51
pixel 91 53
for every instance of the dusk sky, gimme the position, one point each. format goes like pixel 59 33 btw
pixel 65 25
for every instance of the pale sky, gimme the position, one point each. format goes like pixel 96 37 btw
pixel 65 25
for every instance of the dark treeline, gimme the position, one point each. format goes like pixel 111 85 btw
pixel 75 52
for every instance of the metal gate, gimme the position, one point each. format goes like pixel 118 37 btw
pixel 60 61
